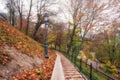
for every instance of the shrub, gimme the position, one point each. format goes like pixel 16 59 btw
pixel 109 68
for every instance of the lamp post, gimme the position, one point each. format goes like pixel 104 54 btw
pixel 46 35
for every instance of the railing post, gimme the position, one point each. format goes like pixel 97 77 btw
pixel 80 65
pixel 91 71
pixel 75 59
pixel 96 66
pixel 86 63
pixel 72 57
pixel 68 56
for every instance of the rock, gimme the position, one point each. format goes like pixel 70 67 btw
pixel 19 61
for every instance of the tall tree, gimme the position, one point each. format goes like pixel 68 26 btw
pixel 28 17
pixel 42 7
pixel 83 14
pixel 19 7
pixel 11 8
pixel 57 35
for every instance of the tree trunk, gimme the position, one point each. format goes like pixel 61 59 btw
pixel 21 22
pixel 28 18
pixel 71 40
pixel 55 46
pixel 27 27
pixel 38 24
pixel 60 48
pixel 13 18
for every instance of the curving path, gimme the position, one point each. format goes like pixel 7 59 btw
pixel 64 69
pixel 70 72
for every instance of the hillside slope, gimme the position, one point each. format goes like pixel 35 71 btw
pixel 19 50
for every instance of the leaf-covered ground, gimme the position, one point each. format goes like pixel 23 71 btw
pixel 42 73
pixel 15 39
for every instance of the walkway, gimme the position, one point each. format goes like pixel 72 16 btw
pixel 64 69
pixel 58 73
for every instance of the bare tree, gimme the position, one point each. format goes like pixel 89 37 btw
pixel 19 8
pixel 57 36
pixel 10 6
pixel 106 41
pixel 60 35
pixel 83 14
pixel 28 18
pixel 42 7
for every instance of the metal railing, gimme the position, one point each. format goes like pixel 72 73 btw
pixel 91 72
pixel 3 17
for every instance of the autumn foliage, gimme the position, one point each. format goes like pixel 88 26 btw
pixel 17 40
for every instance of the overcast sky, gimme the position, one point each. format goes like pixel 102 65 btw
pixel 63 13
pixel 2 6
pixel 61 16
